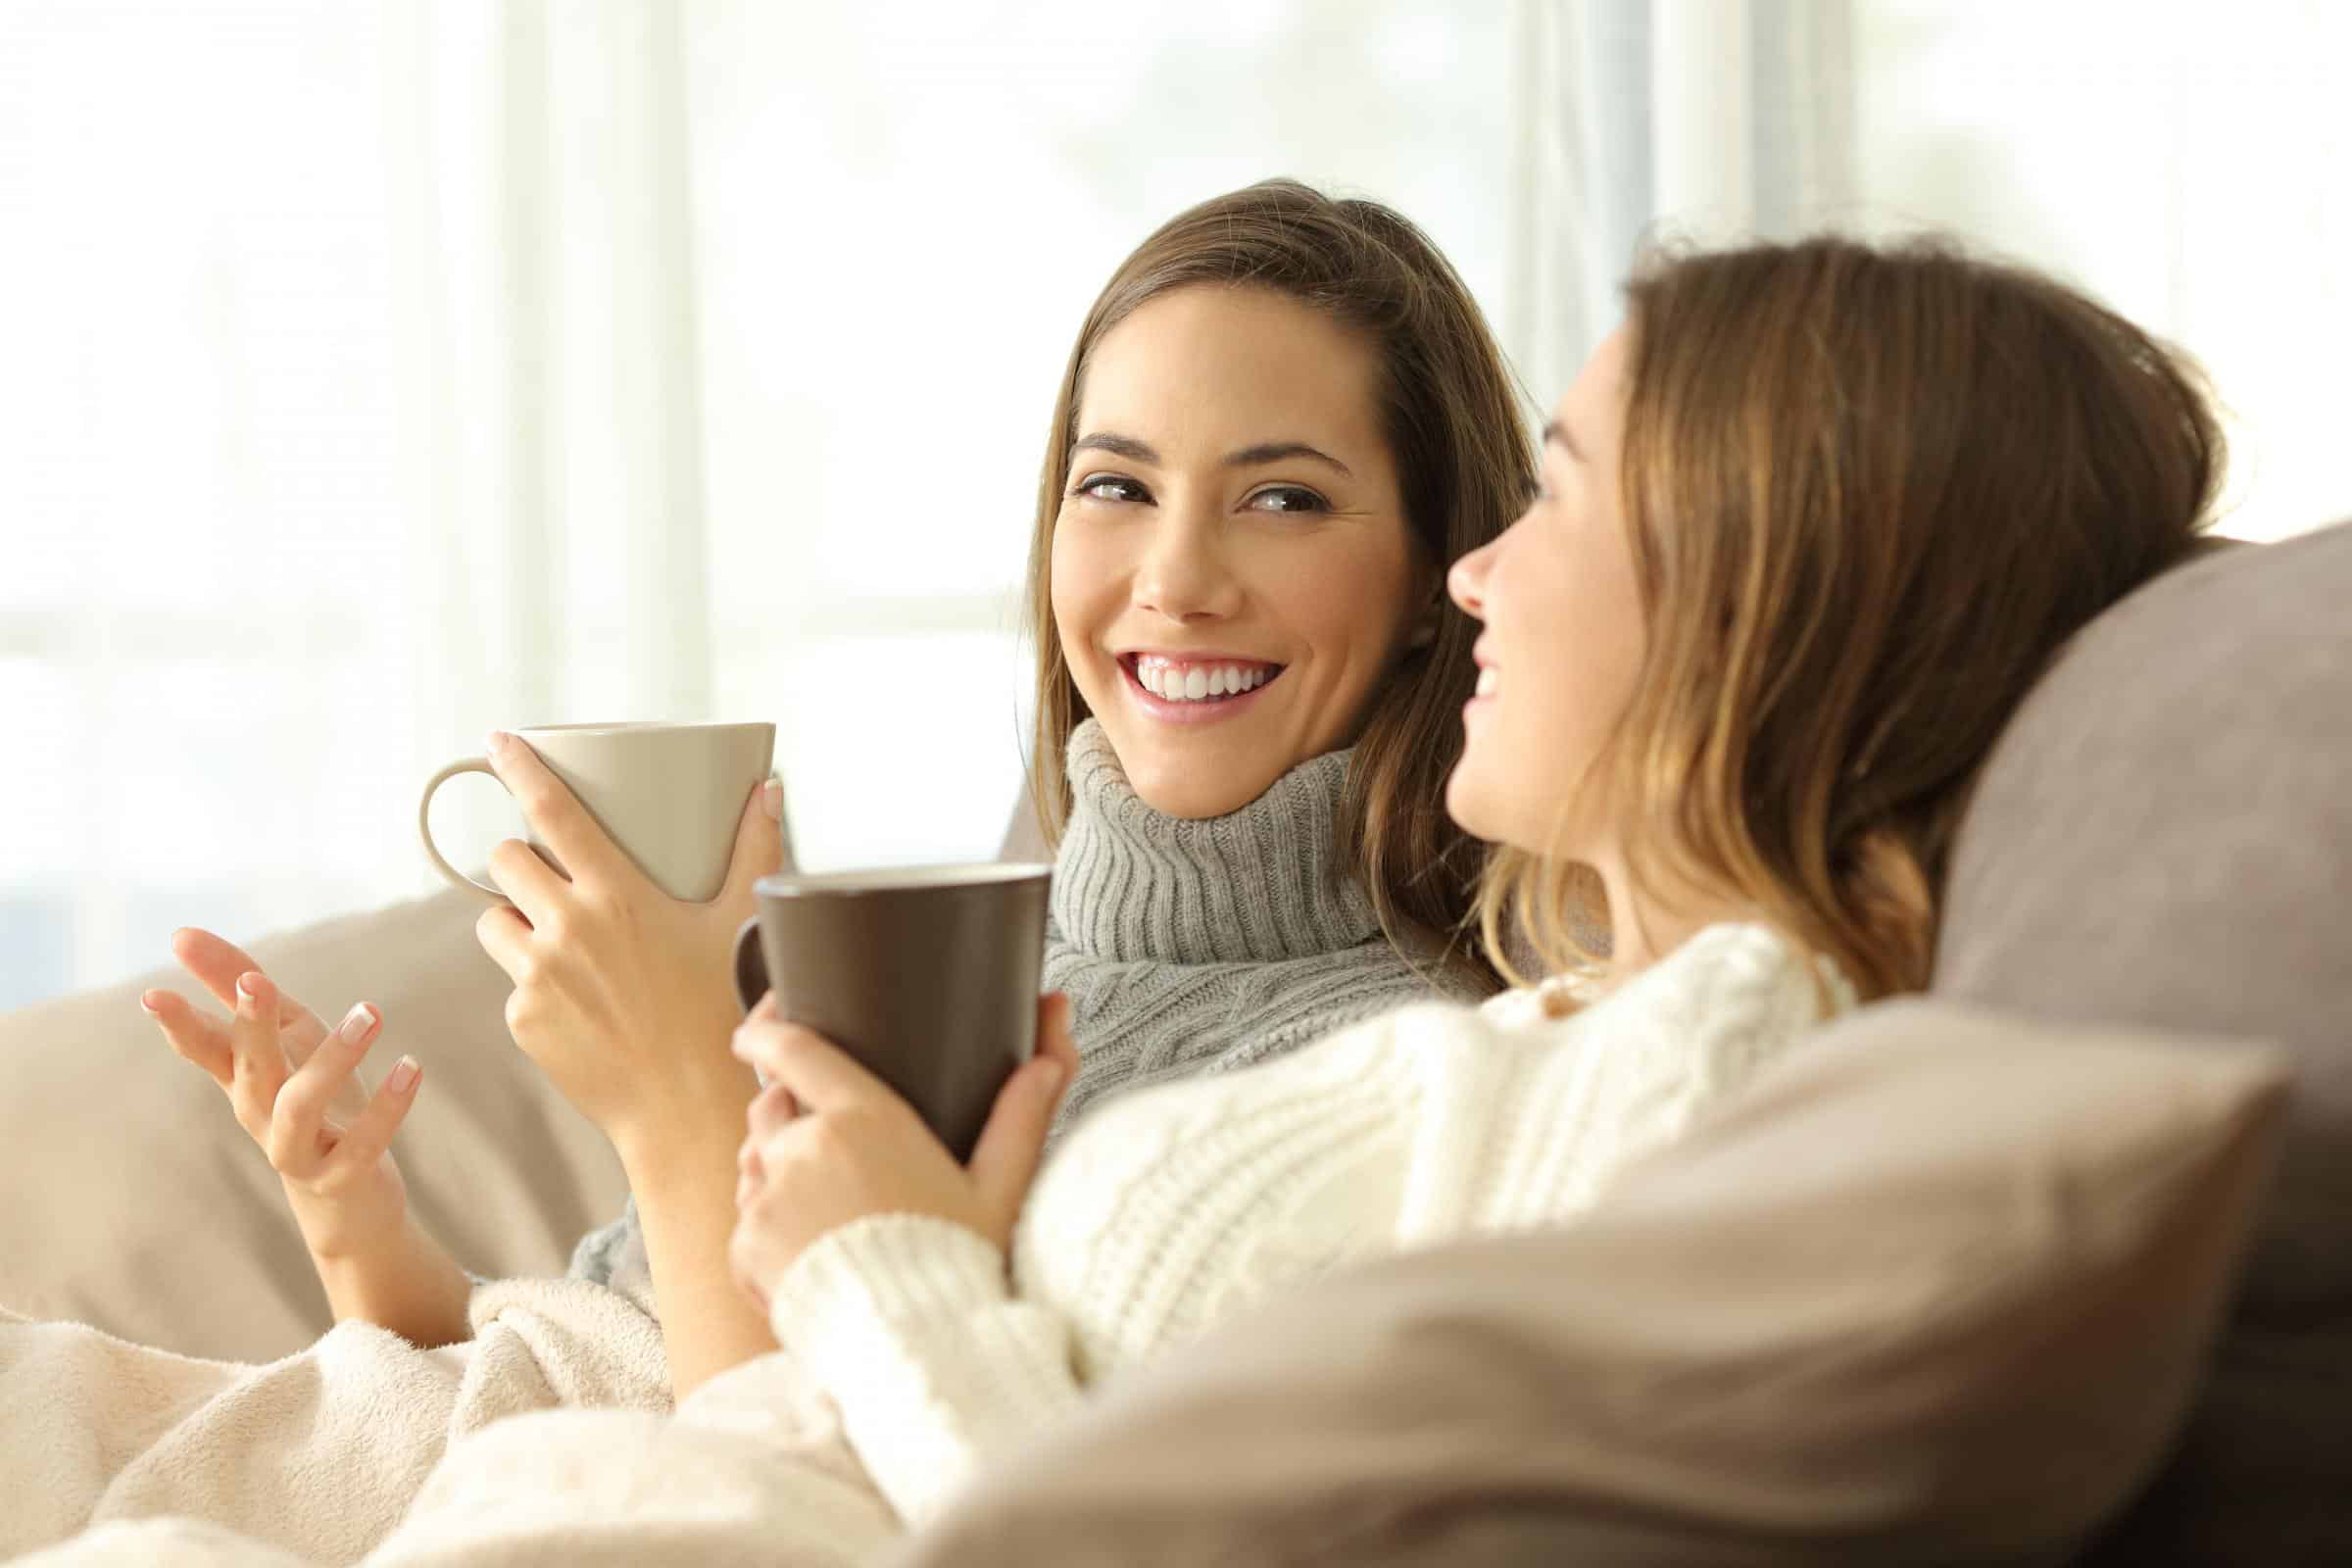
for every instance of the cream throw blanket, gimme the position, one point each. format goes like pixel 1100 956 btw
pixel 93 1429
pixel 753 1469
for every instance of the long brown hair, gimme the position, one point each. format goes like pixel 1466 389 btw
pixel 1870 492
pixel 1458 433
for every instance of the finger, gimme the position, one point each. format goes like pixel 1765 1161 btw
pixel 749 1041
pixel 522 875
pixel 759 843
pixel 817 1073
pixel 1005 1160
pixel 751 1172
pixel 371 1132
pixel 259 1059
pixel 760 1037
pixel 1056 1037
pixel 195 1037
pixel 771 1109
pixel 217 963
pixel 561 822
pixel 300 1110
pixel 505 935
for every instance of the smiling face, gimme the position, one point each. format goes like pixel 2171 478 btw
pixel 1562 645
pixel 1232 574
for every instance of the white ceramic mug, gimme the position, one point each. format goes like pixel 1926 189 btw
pixel 671 796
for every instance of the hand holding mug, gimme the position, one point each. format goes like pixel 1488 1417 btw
pixel 622 992
pixel 829 1143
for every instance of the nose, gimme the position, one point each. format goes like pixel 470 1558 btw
pixel 1466 582
pixel 1183 573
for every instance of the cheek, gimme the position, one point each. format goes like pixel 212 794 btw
pixel 1079 599
pixel 1354 605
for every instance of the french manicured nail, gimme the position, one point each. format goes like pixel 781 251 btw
pixel 356 1023
pixel 403 1074
pixel 246 987
pixel 495 744
pixel 147 1008
pixel 771 799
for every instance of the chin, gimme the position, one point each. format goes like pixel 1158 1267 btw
pixel 1185 798
pixel 1464 804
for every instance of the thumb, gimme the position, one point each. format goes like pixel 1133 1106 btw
pixel 759 841
pixel 1004 1162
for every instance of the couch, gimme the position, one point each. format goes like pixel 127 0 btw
pixel 2161 846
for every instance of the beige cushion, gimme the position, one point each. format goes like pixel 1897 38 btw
pixel 2164 838
pixel 139 1205
pixel 1935 1290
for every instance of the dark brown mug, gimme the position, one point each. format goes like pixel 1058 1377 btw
pixel 928 975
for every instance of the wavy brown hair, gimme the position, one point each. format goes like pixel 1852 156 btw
pixel 1870 492
pixel 1457 429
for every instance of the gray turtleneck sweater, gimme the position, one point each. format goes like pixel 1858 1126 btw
pixel 1185 947
pixel 1190 947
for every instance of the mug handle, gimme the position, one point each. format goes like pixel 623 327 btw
pixel 751 973
pixel 425 824
pixel 751 965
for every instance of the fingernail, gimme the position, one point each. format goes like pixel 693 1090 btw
pixel 495 744
pixel 356 1023
pixel 771 799
pixel 146 1007
pixel 404 1073
pixel 246 988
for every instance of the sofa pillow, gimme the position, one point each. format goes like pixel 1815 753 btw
pixel 2162 837
pixel 1935 1289
pixel 140 1207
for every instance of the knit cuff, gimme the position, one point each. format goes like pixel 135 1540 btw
pixel 891 1268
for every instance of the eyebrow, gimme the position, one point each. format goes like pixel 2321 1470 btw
pixel 1556 431
pixel 1128 447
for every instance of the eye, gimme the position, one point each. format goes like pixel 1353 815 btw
pixel 1110 487
pixel 1287 497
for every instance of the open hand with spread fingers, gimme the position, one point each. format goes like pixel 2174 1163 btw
pixel 295 1088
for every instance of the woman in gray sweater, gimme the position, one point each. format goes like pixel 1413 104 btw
pixel 1281 421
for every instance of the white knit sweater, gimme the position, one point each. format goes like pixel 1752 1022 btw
pixel 1171 1207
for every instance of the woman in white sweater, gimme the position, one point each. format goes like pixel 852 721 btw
pixel 1812 522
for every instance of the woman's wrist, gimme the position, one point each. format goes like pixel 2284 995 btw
pixel 335 1242
pixel 683 1129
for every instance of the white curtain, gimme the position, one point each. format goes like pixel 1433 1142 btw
pixel 1664 119
pixel 2182 162
pixel 372 373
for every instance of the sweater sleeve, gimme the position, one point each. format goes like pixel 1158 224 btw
pixel 908 1324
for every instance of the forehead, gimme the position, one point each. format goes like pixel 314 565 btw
pixel 1225 365
pixel 1595 402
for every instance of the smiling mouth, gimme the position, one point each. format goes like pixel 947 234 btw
pixel 1205 681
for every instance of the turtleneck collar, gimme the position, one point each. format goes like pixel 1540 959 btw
pixel 1258 885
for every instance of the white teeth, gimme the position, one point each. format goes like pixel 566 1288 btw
pixel 1199 684
pixel 1488 679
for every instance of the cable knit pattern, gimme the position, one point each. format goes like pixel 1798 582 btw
pixel 1203 945
pixel 1169 1210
